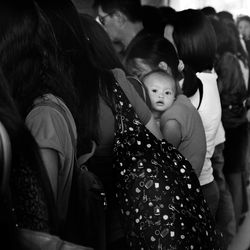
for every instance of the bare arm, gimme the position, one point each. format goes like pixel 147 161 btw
pixel 154 128
pixel 51 161
pixel 172 132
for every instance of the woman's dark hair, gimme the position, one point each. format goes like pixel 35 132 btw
pixel 209 11
pixel 23 149
pixel 225 40
pixel 101 52
pixel 228 40
pixel 89 80
pixel 28 56
pixel 225 16
pixel 153 49
pixel 167 15
pixel 195 40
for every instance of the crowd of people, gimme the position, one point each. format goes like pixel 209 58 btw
pixel 186 76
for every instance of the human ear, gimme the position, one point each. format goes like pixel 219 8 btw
pixel 181 65
pixel 163 65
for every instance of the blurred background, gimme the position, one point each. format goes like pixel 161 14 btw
pixel 236 7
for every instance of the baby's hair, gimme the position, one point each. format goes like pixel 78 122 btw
pixel 162 72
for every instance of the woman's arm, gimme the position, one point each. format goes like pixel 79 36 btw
pixel 51 161
pixel 171 131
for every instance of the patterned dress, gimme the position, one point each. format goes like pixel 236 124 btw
pixel 159 194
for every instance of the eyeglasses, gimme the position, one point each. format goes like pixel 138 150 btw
pixel 102 18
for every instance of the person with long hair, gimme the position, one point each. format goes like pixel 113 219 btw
pixel 26 194
pixel 93 82
pixel 36 77
pixel 195 41
pixel 233 94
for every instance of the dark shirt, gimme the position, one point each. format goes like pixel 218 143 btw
pixel 233 92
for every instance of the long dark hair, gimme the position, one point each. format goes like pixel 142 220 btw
pixel 28 56
pixel 23 149
pixel 195 40
pixel 153 49
pixel 90 80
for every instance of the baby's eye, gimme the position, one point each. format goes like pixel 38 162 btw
pixel 154 90
pixel 168 93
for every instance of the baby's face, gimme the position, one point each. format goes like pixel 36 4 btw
pixel 161 91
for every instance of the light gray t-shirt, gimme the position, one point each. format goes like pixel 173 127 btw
pixel 50 130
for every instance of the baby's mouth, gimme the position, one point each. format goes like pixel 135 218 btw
pixel 160 103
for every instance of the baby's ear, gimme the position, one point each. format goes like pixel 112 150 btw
pixel 163 65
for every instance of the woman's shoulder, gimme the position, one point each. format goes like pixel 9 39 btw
pixel 49 106
pixel 47 122
pixel 181 102
pixel 182 99
pixel 42 109
pixel 118 73
pixel 177 109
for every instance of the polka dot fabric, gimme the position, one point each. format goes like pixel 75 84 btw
pixel 159 194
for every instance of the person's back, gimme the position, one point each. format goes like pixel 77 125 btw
pixel 35 77
pixel 233 94
pixel 101 162
pixel 210 118
pixel 50 130
pixel 180 122
pixel 195 41
pixel 28 213
pixel 26 194
pixel 193 141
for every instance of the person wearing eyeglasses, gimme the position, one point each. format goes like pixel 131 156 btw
pixel 122 20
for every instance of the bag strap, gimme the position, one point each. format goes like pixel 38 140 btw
pixel 201 94
pixel 5 147
pixel 85 157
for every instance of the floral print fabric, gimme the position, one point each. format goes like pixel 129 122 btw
pixel 159 194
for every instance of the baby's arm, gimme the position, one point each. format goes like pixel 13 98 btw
pixel 171 131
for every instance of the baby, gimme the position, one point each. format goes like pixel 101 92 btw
pixel 179 121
